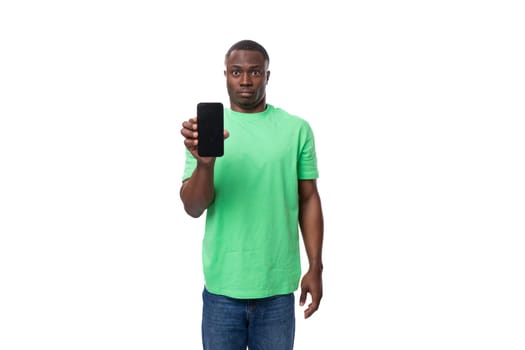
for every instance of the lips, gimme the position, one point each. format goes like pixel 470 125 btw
pixel 245 93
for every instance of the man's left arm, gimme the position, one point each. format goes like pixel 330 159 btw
pixel 312 228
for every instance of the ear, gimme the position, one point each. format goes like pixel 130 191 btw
pixel 267 76
pixel 225 73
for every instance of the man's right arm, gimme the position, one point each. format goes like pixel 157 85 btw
pixel 197 192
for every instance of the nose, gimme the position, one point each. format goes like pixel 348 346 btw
pixel 246 79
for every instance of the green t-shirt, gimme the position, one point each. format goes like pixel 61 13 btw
pixel 251 241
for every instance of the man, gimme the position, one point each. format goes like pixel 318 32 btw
pixel 256 198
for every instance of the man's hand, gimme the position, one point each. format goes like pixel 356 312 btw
pixel 190 132
pixel 312 284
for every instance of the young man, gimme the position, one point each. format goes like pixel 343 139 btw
pixel 256 198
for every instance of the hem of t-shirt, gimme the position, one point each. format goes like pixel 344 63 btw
pixel 308 177
pixel 251 294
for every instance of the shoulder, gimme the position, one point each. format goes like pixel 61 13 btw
pixel 288 117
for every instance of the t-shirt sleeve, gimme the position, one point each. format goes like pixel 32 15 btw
pixel 307 164
pixel 189 165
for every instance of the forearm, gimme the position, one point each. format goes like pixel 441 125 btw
pixel 312 227
pixel 197 192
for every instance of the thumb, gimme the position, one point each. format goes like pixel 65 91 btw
pixel 302 298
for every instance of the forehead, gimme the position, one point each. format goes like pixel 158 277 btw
pixel 245 58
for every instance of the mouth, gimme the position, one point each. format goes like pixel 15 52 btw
pixel 245 93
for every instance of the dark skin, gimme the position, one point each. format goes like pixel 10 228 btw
pixel 247 75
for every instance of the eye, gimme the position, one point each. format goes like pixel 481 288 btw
pixel 256 73
pixel 235 73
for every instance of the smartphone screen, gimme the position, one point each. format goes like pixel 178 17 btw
pixel 210 121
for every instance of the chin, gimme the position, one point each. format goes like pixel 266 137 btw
pixel 246 105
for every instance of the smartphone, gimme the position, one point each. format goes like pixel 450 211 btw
pixel 210 122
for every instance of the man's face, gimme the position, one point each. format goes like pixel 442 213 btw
pixel 246 78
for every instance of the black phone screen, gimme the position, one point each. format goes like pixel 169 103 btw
pixel 210 121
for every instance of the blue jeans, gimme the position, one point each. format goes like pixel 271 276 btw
pixel 259 324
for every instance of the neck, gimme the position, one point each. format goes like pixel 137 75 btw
pixel 259 107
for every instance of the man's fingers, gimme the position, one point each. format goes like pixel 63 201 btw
pixel 188 133
pixel 314 305
pixel 191 143
pixel 311 309
pixel 302 297
pixel 190 124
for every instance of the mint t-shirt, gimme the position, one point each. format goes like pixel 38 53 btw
pixel 251 242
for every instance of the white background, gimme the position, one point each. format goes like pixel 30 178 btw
pixel 418 111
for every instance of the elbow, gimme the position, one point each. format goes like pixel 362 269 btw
pixel 194 213
pixel 196 203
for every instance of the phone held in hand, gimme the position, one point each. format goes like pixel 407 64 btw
pixel 210 121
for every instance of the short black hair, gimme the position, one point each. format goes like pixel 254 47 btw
pixel 249 45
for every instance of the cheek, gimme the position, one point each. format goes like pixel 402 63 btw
pixel 231 82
